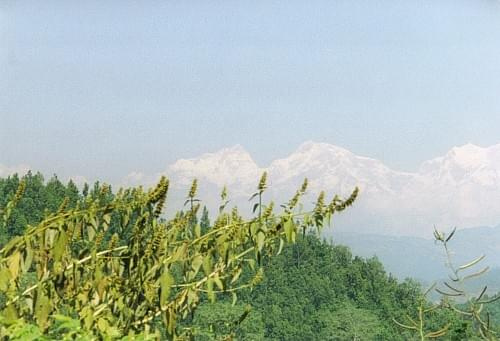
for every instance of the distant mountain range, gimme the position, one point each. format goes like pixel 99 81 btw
pixel 425 260
pixel 394 215
pixel 422 258
pixel 461 188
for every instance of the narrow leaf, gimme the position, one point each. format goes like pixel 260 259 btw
pixel 474 262
pixel 451 234
pixel 476 274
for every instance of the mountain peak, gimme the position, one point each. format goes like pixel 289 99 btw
pixel 468 155
pixel 466 148
pixel 226 166
pixel 459 188
pixel 312 146
pixel 237 148
pixel 236 153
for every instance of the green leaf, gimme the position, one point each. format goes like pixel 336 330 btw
pixel 451 234
pixel 261 238
pixel 10 314
pixel 106 220
pixel 236 275
pixel 91 232
pixel 251 264
pixel 93 221
pixel 476 274
pixel 472 263
pixel 218 282
pixel 28 258
pixel 166 282
pixel 196 263
pixel 179 253
pixel 126 217
pixel 60 245
pixel 113 332
pixel 207 264
pixel 103 325
pixel 14 263
pixel 4 279
pixel 282 243
pixel 254 227
pixel 289 229
pixel 42 308
pixel 253 196
pixel 87 316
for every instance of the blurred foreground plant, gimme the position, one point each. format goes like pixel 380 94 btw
pixel 73 276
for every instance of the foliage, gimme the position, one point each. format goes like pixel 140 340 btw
pixel 223 320
pixel 459 275
pixel 312 285
pixel 114 265
pixel 38 199
pixel 418 324
pixel 104 265
pixel 348 322
pixel 471 314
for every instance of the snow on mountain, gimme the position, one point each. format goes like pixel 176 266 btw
pixel 333 168
pixel 461 188
pixel 233 167
pixel 465 183
pixel 468 163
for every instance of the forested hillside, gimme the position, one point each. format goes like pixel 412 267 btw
pixel 294 286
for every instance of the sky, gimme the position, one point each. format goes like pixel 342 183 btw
pixel 104 88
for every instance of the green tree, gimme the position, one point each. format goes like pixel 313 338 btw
pixel 214 321
pixel 348 322
pixel 204 220
pixel 326 278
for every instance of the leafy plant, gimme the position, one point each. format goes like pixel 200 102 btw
pixel 473 308
pixel 418 324
pixel 122 281
pixel 455 288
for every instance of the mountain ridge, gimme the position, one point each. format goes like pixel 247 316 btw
pixel 422 258
pixel 459 188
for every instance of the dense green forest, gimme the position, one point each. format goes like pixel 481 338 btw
pixel 295 286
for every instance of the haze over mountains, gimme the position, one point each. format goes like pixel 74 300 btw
pixel 394 215
pixel 460 188
pixel 425 260
pixel 396 211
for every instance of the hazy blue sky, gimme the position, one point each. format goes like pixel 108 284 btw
pixel 101 88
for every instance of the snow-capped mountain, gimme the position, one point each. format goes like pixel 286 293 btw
pixel 465 183
pixel 232 167
pixel 468 163
pixel 461 188
pixel 333 168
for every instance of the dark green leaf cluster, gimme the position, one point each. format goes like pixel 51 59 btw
pixel 37 200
